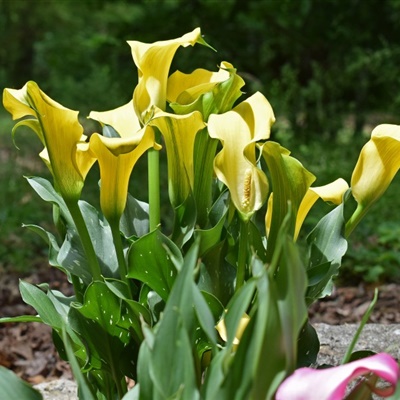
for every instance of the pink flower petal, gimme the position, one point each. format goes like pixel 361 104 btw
pixel 330 383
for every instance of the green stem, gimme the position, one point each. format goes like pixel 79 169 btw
pixel 86 240
pixel 355 219
pixel 122 267
pixel 242 254
pixel 153 158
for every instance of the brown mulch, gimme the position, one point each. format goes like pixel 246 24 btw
pixel 28 350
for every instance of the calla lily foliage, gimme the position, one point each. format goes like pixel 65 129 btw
pixel 214 304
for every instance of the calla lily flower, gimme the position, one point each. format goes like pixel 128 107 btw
pixel 60 132
pixel 235 165
pixel 117 157
pixel 153 62
pixel 377 165
pixel 221 328
pixel 179 132
pixel 330 383
pixel 205 91
pixel 331 193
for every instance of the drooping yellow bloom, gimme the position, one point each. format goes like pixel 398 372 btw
pixel 332 193
pixel 179 132
pixel 117 156
pixel 377 165
pixel 153 61
pixel 60 132
pixel 235 165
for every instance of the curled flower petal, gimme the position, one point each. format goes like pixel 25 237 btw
pixel 179 132
pixel 332 192
pixel 59 131
pixel 123 119
pixel 204 91
pixel 153 61
pixel 235 165
pixel 117 157
pixel 330 383
pixel 377 165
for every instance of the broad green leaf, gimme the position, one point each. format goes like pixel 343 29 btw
pixel 135 218
pixel 46 191
pixel 327 246
pixel 14 388
pixel 210 237
pixel 307 346
pixel 96 322
pixel 216 275
pixel 291 284
pixel 50 239
pixel 149 261
pixel 131 311
pixel 35 297
pixel 72 257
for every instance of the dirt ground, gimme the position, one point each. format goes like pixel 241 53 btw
pixel 27 348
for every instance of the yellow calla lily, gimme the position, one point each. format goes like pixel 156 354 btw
pixel 59 130
pixel 204 91
pixel 123 119
pixel 221 328
pixel 179 132
pixel 376 167
pixel 117 157
pixel 153 61
pixel 235 165
pixel 332 192
pixel 185 88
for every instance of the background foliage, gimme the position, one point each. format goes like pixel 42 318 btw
pixel 329 68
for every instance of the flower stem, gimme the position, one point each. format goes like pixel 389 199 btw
pixel 123 270
pixel 86 240
pixel 355 219
pixel 242 254
pixel 153 158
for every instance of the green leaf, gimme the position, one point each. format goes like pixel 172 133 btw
pixel 327 246
pixel 46 191
pixel 84 388
pixel 172 343
pixel 210 237
pixel 50 239
pixel 307 346
pixel 97 323
pixel 72 257
pixel 135 219
pixel 184 221
pixel 21 318
pixel 14 388
pixel 35 297
pixel 290 182
pixel 149 261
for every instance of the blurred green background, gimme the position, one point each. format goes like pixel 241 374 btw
pixel 330 69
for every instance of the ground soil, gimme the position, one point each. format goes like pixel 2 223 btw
pixel 28 350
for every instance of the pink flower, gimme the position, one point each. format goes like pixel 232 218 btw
pixel 330 383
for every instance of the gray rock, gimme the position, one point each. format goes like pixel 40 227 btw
pixel 334 341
